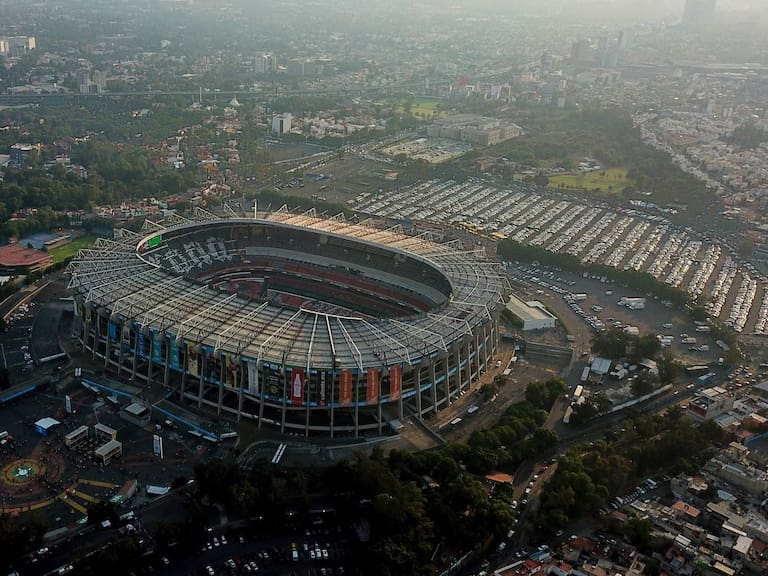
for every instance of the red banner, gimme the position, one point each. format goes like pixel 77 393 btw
pixel 297 386
pixel 395 382
pixel 345 388
pixel 372 388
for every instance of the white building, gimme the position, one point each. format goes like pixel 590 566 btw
pixel 533 314
pixel 281 124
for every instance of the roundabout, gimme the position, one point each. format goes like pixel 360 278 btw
pixel 21 471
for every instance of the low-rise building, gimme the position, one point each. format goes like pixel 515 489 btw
pixel 533 314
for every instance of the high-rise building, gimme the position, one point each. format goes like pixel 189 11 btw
pixel 265 63
pixel 623 39
pixel 91 81
pixel 16 46
pixel 699 12
pixel 295 67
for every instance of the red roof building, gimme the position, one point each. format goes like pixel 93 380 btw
pixel 15 259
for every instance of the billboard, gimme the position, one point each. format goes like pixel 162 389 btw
pixel 323 376
pixel 230 371
pixel 157 445
pixel 372 386
pixel 253 378
pixel 193 359
pixel 395 382
pixel 157 348
pixel 142 344
pixel 174 353
pixel 345 388
pixel 68 404
pixel 297 386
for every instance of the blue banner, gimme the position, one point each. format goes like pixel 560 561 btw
pixel 174 360
pixel 157 349
pixel 142 345
pixel 112 331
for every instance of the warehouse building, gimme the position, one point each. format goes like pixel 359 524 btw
pixel 533 314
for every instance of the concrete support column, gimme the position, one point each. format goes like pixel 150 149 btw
pixel 184 365
pixel 201 377
pixel 433 378
pixel 107 345
pixel 241 368
pixel 135 356
pixel 417 383
pixel 260 389
pixel 447 381
pixel 357 403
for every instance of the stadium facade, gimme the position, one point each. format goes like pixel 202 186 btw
pixel 312 325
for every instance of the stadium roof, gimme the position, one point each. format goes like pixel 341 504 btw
pixel 114 276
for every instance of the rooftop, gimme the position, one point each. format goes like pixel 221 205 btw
pixel 14 255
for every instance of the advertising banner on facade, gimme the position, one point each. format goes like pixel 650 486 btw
pixel 323 376
pixel 157 349
pixel 345 388
pixel 157 445
pixel 142 345
pixel 372 387
pixel 395 382
pixel 297 386
pixel 174 353
pixel 253 378
pixel 230 371
pixel 193 359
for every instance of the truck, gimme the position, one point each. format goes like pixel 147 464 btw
pixel 585 374
pixel 688 340
pixel 633 303
pixel 619 373
pixel 579 297
pixel 703 329
pixel 706 378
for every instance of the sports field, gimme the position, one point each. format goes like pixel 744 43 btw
pixel 613 180
pixel 424 108
pixel 68 250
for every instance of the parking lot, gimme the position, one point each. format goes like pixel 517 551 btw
pixel 316 551
pixel 600 310
pixel 595 233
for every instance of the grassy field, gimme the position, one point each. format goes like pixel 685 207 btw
pixel 424 109
pixel 68 250
pixel 613 180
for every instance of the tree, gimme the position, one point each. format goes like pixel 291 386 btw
pixel 638 532
pixel 5 378
pixel 642 384
pixel 667 368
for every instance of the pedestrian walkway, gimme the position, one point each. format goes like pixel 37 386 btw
pixel 86 497
pixel 98 483
pixel 72 504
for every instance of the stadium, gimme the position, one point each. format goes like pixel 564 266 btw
pixel 312 325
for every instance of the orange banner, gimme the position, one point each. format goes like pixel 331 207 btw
pixel 372 387
pixel 395 382
pixel 345 388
